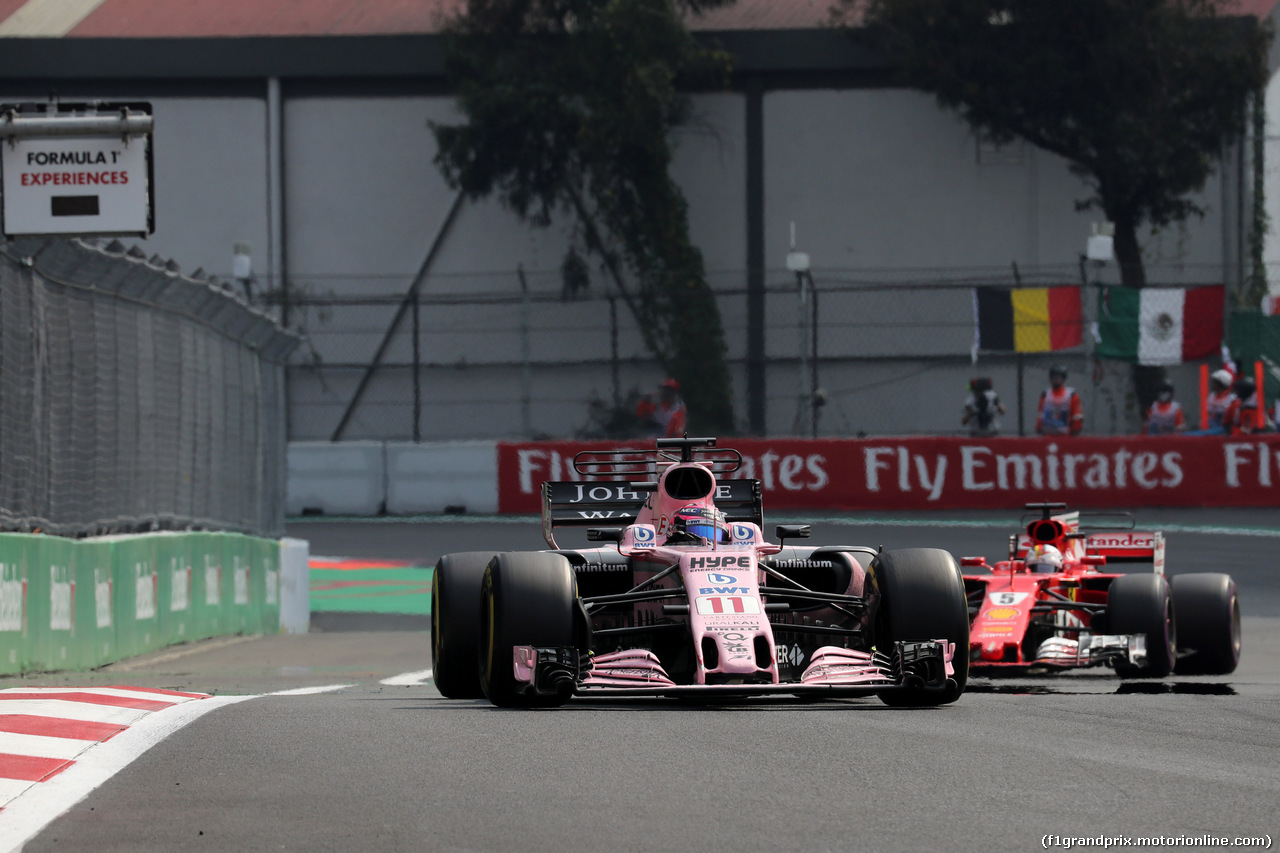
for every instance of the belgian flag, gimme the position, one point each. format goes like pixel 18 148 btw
pixel 1029 319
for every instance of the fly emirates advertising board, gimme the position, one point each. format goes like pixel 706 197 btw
pixel 958 473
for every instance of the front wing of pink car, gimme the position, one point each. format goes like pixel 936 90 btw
pixel 833 671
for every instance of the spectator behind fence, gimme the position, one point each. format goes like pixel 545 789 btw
pixel 1164 416
pixel 1245 420
pixel 981 408
pixel 666 417
pixel 1222 405
pixel 1060 411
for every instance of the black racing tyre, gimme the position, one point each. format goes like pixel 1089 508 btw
pixel 922 598
pixel 1141 604
pixel 526 599
pixel 1208 612
pixel 455 624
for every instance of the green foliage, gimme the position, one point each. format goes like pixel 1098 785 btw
pixel 1140 96
pixel 569 105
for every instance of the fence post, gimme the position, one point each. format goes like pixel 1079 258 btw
pixel 526 375
pixel 613 352
pixel 417 373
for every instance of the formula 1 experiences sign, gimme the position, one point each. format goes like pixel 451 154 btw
pixel 76 185
pixel 958 473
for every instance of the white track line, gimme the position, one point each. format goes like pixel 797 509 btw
pixel 308 691
pixel 408 679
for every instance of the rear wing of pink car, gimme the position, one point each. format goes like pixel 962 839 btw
pixel 617 503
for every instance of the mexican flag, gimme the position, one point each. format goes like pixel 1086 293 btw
pixel 1159 325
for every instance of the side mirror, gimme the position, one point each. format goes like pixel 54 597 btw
pixel 1094 560
pixel 973 561
pixel 604 534
pixel 793 531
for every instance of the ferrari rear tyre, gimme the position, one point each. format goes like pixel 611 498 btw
pixel 455 624
pixel 922 598
pixel 1208 613
pixel 526 599
pixel 1141 604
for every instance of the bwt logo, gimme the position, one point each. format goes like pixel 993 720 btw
pixel 742 533
pixel 723 590
pixel 717 578
pixel 642 535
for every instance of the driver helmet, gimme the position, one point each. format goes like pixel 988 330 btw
pixel 1044 558
pixel 706 522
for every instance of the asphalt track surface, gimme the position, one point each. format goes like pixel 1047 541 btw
pixel 379 767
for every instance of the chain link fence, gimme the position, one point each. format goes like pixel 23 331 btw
pixel 134 398
pixel 516 355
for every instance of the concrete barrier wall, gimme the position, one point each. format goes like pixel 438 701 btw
pixel 449 477
pixel 336 478
pixel 364 478
pixel 79 604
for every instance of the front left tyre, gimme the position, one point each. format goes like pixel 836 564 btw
pixel 1142 604
pixel 526 599
pixel 922 598
pixel 455 624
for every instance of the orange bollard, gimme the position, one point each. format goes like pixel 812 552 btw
pixel 1204 396
pixel 1260 379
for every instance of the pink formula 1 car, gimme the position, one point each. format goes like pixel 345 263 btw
pixel 689 600
pixel 1051 606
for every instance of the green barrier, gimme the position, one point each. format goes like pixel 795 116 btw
pixel 51 599
pixel 13 597
pixel 266 560
pixel 78 604
pixel 95 618
pixel 177 620
pixel 207 558
pixel 137 589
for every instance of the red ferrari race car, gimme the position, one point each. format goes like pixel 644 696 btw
pixel 690 600
pixel 1052 606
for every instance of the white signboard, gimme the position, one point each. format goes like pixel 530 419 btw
pixel 76 185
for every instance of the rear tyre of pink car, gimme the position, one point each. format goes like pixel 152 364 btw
pixel 1141 604
pixel 922 598
pixel 526 599
pixel 1208 613
pixel 455 624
